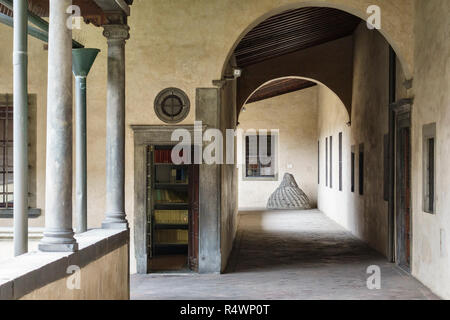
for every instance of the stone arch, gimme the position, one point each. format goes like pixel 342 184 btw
pixel 303 78
pixel 330 64
pixel 397 25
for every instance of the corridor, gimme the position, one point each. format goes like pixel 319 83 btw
pixel 288 255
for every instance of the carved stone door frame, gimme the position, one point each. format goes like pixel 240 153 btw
pixel 144 136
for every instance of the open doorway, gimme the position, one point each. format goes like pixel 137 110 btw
pixel 172 212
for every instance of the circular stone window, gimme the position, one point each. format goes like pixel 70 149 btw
pixel 172 105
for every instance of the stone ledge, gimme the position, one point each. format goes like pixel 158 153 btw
pixel 34 233
pixel 9 213
pixel 31 271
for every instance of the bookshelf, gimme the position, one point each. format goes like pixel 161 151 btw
pixel 170 218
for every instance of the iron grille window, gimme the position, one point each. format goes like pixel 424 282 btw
pixel 6 155
pixel 172 106
pixel 259 164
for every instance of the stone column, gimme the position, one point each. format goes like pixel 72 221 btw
pixel 82 60
pixel 115 128
pixel 20 62
pixel 58 234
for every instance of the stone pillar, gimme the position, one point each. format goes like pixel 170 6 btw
pixel 58 234
pixel 209 257
pixel 20 62
pixel 115 127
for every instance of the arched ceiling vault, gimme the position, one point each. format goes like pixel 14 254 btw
pixel 309 42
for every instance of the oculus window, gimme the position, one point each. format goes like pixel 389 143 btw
pixel 172 105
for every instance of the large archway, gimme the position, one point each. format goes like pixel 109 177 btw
pixel 397 25
pixel 354 64
pixel 315 42
pixel 289 108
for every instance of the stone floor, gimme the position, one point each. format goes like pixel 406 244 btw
pixel 288 255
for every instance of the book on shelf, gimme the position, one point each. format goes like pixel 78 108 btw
pixel 170 196
pixel 171 216
pixel 164 155
pixel 173 176
pixel 171 236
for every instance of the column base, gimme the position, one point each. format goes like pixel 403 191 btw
pixel 115 225
pixel 58 247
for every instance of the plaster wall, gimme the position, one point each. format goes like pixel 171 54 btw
pixel 229 174
pixel 364 215
pixel 104 279
pixel 295 116
pixel 431 232
pixel 332 119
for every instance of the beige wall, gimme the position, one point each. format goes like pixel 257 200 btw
pixel 104 279
pixel 229 176
pixel 332 119
pixel 431 233
pixel 295 115
pixel 366 216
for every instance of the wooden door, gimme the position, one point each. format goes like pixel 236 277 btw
pixel 403 192
pixel 193 217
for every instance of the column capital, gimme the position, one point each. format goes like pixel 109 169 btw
pixel 116 31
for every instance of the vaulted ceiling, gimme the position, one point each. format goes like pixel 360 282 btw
pixel 279 87
pixel 289 32
pixel 293 30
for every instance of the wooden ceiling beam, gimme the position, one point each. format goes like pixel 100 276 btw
pixel 279 87
pixel 292 31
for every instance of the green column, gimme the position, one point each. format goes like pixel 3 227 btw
pixel 82 60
